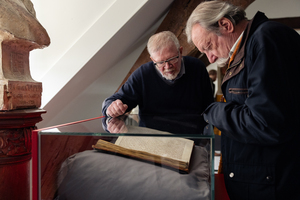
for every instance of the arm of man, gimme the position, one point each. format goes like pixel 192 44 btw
pixel 119 103
pixel 269 113
pixel 127 98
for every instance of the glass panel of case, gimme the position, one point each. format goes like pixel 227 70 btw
pixel 67 166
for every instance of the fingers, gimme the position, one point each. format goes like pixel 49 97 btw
pixel 116 108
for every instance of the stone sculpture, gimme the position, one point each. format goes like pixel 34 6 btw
pixel 20 32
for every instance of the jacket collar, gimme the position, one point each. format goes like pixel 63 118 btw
pixel 258 19
pixel 238 64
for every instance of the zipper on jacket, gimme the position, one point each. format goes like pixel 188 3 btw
pixel 238 90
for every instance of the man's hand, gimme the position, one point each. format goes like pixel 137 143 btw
pixel 116 108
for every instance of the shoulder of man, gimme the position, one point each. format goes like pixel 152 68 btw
pixel 192 62
pixel 145 67
pixel 143 70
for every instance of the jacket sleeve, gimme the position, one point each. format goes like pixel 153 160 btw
pixel 268 115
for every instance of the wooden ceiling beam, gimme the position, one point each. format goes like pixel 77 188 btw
pixel 293 22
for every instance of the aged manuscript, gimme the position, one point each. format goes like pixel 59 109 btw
pixel 168 151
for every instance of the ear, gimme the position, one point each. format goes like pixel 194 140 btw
pixel 152 59
pixel 226 25
pixel 180 50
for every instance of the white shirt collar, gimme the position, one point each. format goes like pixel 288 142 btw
pixel 235 44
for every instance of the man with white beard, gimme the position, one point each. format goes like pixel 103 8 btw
pixel 169 84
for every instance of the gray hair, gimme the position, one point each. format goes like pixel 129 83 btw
pixel 208 13
pixel 160 40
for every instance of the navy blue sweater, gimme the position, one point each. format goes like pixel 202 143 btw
pixel 190 94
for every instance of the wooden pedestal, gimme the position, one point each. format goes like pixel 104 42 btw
pixel 15 152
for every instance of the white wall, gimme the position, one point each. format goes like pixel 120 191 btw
pixel 275 8
pixel 77 30
pixel 88 38
pixel 66 22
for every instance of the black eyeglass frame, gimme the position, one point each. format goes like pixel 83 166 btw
pixel 163 63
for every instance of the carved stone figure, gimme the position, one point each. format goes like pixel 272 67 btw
pixel 20 32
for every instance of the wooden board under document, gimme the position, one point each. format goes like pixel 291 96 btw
pixel 168 151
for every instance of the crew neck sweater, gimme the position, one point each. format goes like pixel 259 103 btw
pixel 190 94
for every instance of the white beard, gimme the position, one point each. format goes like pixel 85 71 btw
pixel 170 76
pixel 221 62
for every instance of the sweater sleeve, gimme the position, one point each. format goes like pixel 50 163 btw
pixel 129 93
pixel 207 88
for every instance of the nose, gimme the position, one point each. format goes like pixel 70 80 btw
pixel 212 58
pixel 168 65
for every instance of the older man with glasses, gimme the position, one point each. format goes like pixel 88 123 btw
pixel 169 84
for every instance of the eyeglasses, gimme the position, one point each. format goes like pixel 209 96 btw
pixel 172 61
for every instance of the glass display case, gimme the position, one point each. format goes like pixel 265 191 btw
pixel 69 162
